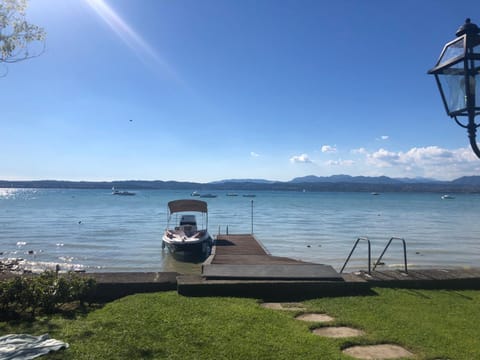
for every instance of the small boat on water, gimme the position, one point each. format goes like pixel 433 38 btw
pixel 124 193
pixel 447 197
pixel 232 194
pixel 196 193
pixel 187 236
pixel 249 195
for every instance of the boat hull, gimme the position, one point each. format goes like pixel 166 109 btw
pixel 196 246
pixel 123 193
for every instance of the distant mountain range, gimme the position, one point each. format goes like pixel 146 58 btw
pixel 257 181
pixel 306 183
pixel 362 180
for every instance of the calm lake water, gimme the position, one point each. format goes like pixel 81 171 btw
pixel 94 231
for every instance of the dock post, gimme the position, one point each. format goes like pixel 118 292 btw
pixel 252 217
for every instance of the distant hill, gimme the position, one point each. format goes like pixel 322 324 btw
pixel 345 179
pixel 362 180
pixel 466 184
pixel 256 181
pixel 420 180
pixel 467 180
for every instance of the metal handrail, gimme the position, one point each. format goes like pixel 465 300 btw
pixel 353 249
pixel 404 253
pixel 220 230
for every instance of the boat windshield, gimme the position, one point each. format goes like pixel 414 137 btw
pixel 188 220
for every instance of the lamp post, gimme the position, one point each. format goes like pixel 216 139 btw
pixel 457 73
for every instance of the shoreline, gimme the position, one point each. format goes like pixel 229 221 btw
pixel 10 266
pixel 22 266
pixel 332 184
pixel 112 286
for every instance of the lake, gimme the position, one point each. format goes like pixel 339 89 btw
pixel 92 230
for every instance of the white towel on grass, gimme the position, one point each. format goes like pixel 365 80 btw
pixel 25 347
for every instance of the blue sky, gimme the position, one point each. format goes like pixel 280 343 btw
pixel 194 90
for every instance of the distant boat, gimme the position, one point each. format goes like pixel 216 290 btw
pixel 208 196
pixel 123 193
pixel 375 193
pixel 232 194
pixel 447 197
pixel 195 193
pixel 249 195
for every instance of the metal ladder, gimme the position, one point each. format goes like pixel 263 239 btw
pixel 385 250
pixel 353 249
pixel 380 257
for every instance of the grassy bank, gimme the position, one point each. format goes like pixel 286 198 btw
pixel 432 324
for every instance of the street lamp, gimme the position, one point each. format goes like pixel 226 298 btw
pixel 457 73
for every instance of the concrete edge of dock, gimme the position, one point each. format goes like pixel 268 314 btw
pixel 114 285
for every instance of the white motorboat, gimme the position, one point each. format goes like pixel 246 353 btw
pixel 447 197
pixel 187 236
pixel 124 193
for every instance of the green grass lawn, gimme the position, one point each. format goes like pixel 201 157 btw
pixel 432 324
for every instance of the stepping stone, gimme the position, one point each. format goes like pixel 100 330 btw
pixel 338 332
pixel 315 317
pixel 284 306
pixel 378 352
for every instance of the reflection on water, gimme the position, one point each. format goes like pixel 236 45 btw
pixel 179 263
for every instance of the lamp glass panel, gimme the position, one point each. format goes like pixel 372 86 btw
pixel 452 81
pixel 476 77
pixel 451 51
pixel 476 84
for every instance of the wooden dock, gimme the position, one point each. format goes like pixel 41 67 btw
pixel 241 266
pixel 244 257
pixel 449 278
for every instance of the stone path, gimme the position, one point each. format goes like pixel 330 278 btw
pixel 383 351
pixel 284 306
pixel 377 352
pixel 338 332
pixel 315 317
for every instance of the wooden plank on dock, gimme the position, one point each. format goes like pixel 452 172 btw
pixel 244 257
pixel 292 271
pixel 238 245
pixel 254 259
pixel 425 278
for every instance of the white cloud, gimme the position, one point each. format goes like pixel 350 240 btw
pixel 383 158
pixel 430 161
pixel 300 159
pixel 340 162
pixel 254 154
pixel 384 137
pixel 329 149
pixel 359 151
